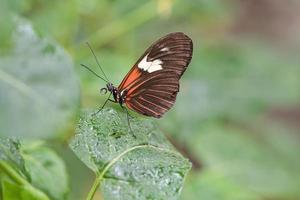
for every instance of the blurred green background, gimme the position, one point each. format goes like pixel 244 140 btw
pixel 237 116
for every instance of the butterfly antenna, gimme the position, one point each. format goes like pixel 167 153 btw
pixel 93 72
pixel 97 61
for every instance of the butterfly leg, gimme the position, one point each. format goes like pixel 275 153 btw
pixel 127 115
pixel 108 99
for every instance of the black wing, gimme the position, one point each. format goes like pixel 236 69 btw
pixel 171 52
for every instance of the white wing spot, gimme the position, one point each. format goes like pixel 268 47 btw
pixel 165 49
pixel 151 66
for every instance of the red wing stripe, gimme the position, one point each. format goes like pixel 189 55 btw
pixel 131 76
pixel 155 105
pixel 137 84
pixel 161 91
pixel 131 105
pixel 181 47
pixel 175 43
pixel 160 101
pixel 169 52
pixel 133 83
pixel 153 79
pixel 162 85
pixel 166 85
pixel 133 94
pixel 174 63
pixel 144 107
pixel 159 98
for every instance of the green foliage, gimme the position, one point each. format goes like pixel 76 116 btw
pixel 223 118
pixel 245 156
pixel 139 166
pixel 46 176
pixel 238 156
pixel 225 81
pixel 39 92
pixel 10 153
pixel 215 185
pixel 47 171
pixel 13 191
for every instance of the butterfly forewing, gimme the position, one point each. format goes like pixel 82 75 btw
pixel 153 82
pixel 173 51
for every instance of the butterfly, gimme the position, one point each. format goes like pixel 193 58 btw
pixel 151 86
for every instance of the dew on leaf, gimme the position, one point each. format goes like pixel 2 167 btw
pixel 145 167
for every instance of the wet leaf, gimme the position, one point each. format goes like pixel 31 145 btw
pixel 10 153
pixel 143 166
pixel 39 94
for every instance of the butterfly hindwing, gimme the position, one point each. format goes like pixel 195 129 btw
pixel 154 95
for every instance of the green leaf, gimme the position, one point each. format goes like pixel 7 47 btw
pixel 39 93
pixel 10 153
pixel 47 171
pixel 250 161
pixel 13 191
pixel 212 185
pixel 140 166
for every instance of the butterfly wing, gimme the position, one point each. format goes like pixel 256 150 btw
pixel 171 52
pixel 153 82
pixel 155 94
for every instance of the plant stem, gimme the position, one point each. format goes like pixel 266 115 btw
pixel 8 170
pixel 94 188
pixel 100 176
pixel 17 178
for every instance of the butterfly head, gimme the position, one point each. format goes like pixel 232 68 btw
pixel 115 92
pixel 112 89
pixel 109 87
